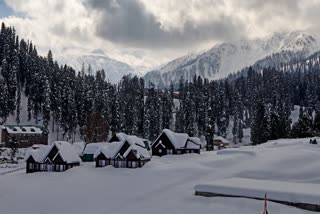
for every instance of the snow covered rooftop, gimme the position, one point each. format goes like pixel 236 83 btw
pixel 67 153
pixel 222 139
pixel 177 139
pixel 138 145
pixel 65 149
pixel 182 140
pixel 138 151
pixel 132 139
pixel 109 150
pixel 195 143
pixel 23 129
pixel 38 154
pixel 121 136
pixel 91 148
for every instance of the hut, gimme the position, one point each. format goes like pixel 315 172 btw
pixel 219 143
pixel 132 152
pixel 169 143
pixel 58 157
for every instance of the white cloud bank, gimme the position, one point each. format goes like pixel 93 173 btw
pixel 144 32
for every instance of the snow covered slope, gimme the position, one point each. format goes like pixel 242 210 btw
pixel 114 69
pixel 163 185
pixel 227 58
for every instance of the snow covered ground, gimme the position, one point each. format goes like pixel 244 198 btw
pixel 164 185
pixel 284 191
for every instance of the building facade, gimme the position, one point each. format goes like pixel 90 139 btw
pixel 24 136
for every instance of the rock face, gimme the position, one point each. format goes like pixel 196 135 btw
pixel 227 58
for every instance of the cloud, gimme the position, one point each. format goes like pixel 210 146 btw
pixel 151 32
pixel 129 22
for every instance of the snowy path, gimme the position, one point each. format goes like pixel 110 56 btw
pixel 164 185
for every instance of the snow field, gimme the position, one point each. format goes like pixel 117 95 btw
pixel 163 185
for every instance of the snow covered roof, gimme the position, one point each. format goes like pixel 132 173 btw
pixel 219 138
pixel 177 139
pixel 110 150
pixel 12 129
pixel 193 143
pixel 78 146
pixel 65 149
pixel 182 140
pixel 91 148
pixel 38 154
pixel 138 151
pixel 121 136
pixel 132 139
pixel 196 140
pixel 67 153
pixel 138 145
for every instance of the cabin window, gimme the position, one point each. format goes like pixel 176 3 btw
pixel 23 129
pixel 160 150
pixel 61 167
pixel 178 152
pixel 32 130
pixel 42 167
pixel 169 151
pixel 30 165
pixel 102 163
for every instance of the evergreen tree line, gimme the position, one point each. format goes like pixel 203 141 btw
pixel 63 98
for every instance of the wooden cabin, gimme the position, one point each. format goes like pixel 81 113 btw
pixel 58 157
pixel 169 143
pixel 132 152
pixel 24 136
pixel 218 143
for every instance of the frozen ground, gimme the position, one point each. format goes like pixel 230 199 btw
pixel 307 193
pixel 164 185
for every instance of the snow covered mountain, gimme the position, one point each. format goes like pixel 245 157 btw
pixel 98 60
pixel 227 58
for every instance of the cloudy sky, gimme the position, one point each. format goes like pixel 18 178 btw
pixel 151 32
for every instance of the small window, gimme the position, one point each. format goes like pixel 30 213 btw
pixel 160 150
pixel 23 129
pixel 14 129
pixel 32 130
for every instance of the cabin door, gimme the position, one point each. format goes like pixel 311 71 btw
pixel 134 164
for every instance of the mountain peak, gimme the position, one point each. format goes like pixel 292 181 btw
pixel 223 59
pixel 113 69
pixel 98 51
